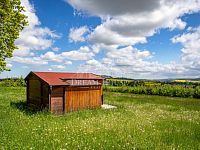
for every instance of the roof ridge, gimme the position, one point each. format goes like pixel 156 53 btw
pixel 55 78
pixel 63 72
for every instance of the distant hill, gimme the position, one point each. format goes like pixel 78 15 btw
pixel 105 76
pixel 158 80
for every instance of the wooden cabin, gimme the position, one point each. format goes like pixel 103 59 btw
pixel 64 92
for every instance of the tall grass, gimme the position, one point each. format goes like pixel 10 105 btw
pixel 139 122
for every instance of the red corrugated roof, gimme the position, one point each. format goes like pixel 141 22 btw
pixel 60 78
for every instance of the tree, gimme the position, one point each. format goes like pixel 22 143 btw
pixel 12 21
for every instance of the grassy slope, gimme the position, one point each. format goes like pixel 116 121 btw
pixel 139 122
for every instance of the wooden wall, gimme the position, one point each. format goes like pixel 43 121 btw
pixel 77 98
pixel 37 92
pixel 45 95
pixel 57 100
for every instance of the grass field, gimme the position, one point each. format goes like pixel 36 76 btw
pixel 139 122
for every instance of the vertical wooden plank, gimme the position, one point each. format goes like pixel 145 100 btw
pixel 50 88
pixel 102 98
pixel 27 91
pixel 64 99
pixel 84 98
pixel 70 100
pixel 41 94
pixel 94 97
pixel 77 99
pixel 98 96
pixel 74 99
pixel 80 99
pixel 84 92
pixel 88 98
pixel 67 99
pixel 90 95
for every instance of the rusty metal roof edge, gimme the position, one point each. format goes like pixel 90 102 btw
pixel 38 77
pixel 67 72
pixel 35 73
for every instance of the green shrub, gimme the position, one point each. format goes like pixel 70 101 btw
pixel 197 92
pixel 13 82
pixel 162 90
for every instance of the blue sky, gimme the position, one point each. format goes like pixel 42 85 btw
pixel 137 39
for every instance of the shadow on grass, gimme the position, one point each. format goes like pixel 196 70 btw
pixel 28 110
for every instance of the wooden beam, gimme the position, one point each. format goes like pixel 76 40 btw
pixel 102 94
pixel 41 94
pixel 50 90
pixel 102 99
pixel 27 91
pixel 64 99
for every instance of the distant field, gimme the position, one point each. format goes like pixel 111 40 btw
pixel 139 122
pixel 187 81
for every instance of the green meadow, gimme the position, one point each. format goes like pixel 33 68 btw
pixel 139 122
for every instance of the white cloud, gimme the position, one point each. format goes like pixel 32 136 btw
pixel 23 52
pixel 67 62
pixel 129 22
pixel 178 23
pixel 112 8
pixel 29 60
pixel 77 34
pixel 128 52
pixel 55 49
pixel 93 62
pixel 51 56
pixel 33 37
pixel 9 65
pixel 83 53
pixel 191 47
pixel 103 35
pixel 134 63
pixel 61 67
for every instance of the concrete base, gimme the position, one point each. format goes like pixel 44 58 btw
pixel 106 106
